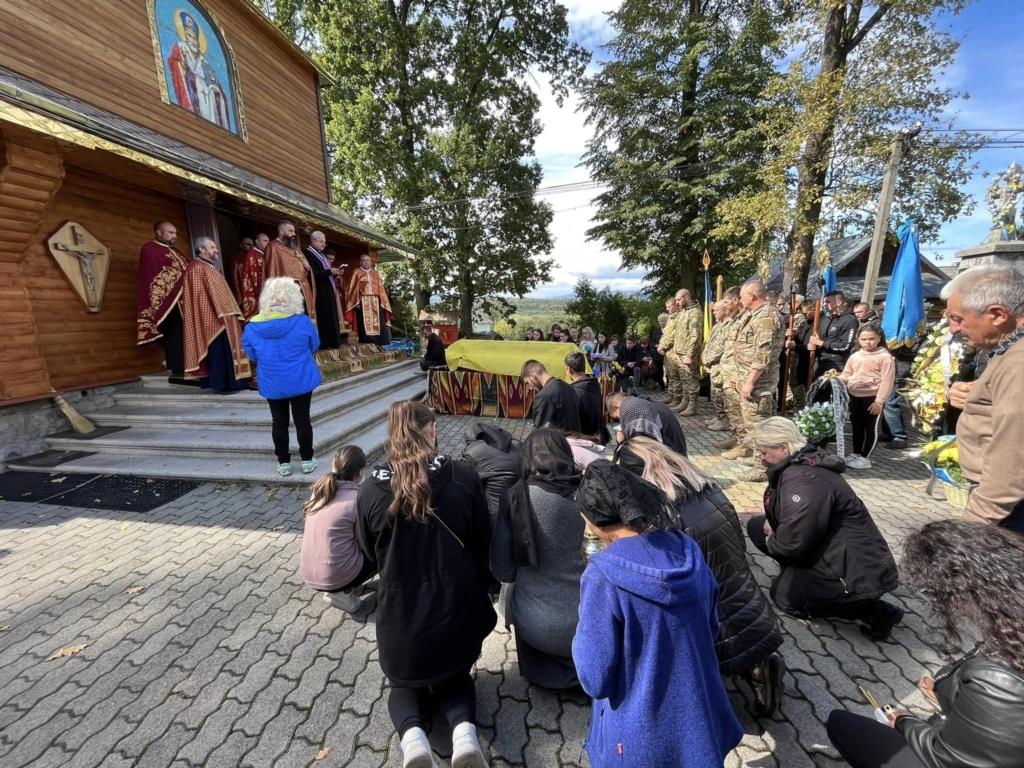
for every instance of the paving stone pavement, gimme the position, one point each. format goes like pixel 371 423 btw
pixel 202 646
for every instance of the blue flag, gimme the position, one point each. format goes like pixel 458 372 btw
pixel 904 303
pixel 829 276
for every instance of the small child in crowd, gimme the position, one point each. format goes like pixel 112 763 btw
pixel 331 560
pixel 869 375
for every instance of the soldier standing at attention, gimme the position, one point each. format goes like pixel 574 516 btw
pixel 672 382
pixel 684 347
pixel 752 382
pixel 712 361
pixel 731 297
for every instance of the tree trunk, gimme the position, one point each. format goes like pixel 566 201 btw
pixel 466 300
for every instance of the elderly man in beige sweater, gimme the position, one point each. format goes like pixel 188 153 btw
pixel 987 304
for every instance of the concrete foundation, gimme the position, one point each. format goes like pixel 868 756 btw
pixel 998 252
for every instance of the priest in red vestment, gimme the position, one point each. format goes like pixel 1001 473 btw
pixel 367 308
pixel 236 267
pixel 213 328
pixel 161 275
pixel 284 259
pixel 253 276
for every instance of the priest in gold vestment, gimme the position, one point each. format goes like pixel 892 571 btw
pixel 284 259
pixel 367 308
pixel 213 328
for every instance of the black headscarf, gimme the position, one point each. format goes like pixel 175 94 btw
pixel 546 461
pixel 611 495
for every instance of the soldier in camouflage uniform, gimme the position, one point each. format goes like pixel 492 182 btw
pixel 711 359
pixel 684 347
pixel 672 380
pixel 752 381
pixel 731 297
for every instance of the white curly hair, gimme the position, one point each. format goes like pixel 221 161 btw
pixel 281 294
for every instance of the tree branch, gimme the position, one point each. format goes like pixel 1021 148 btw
pixel 882 9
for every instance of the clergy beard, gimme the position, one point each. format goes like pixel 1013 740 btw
pixel 291 242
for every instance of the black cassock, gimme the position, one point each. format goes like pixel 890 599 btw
pixel 328 325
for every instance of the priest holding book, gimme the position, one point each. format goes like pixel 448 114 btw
pixel 367 308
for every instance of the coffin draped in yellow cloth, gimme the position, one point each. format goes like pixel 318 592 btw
pixel 507 357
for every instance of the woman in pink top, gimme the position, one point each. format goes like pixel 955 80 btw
pixel 869 375
pixel 331 560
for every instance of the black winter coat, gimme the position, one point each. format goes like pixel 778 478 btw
pixel 748 630
pixel 494 453
pixel 983 702
pixel 829 547
pixel 433 611
pixel 555 405
pixel 671 431
pixel 591 406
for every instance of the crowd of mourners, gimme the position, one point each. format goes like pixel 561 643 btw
pixel 621 567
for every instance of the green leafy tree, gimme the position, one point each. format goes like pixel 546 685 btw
pixel 433 104
pixel 676 132
pixel 864 71
pixel 507 329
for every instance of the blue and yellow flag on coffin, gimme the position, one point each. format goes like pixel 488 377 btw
pixel 904 303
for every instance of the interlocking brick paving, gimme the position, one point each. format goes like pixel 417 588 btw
pixel 225 658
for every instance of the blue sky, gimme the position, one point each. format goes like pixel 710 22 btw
pixel 989 66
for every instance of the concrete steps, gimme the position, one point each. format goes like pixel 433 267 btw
pixel 183 432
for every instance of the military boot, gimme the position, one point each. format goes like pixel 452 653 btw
pixel 728 442
pixel 691 410
pixel 672 401
pixel 718 425
pixel 755 475
pixel 680 406
pixel 738 451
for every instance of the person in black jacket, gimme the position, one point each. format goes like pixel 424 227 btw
pixel 659 359
pixel 433 356
pixel 835 562
pixel 671 431
pixel 973 574
pixel 630 359
pixel 587 389
pixel 327 307
pixel 494 453
pixel 837 335
pixel 423 520
pixel 555 404
pixel 749 633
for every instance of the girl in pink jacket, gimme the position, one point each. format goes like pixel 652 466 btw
pixel 869 375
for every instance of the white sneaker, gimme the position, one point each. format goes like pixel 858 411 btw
pixel 346 600
pixel 416 752
pixel 856 461
pixel 466 752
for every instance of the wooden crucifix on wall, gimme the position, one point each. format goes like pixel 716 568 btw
pixel 84 260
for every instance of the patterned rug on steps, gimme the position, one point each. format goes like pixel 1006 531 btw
pixel 355 358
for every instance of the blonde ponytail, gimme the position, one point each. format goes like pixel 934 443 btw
pixel 346 465
pixel 670 471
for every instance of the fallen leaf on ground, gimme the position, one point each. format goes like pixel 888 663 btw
pixel 133 590
pixel 58 480
pixel 69 651
pixel 27 494
pixel 278 527
pixel 125 526
pixel 68 567
pixel 149 481
pixel 322 753
pixel 272 494
pixel 5 628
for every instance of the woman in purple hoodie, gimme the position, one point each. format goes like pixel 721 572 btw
pixel 645 643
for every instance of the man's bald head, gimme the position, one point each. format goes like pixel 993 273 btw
pixel 753 295
pixel 683 297
pixel 721 310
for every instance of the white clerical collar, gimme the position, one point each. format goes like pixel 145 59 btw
pixel 254 248
pixel 367 271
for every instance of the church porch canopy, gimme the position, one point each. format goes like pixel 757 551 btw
pixel 111 144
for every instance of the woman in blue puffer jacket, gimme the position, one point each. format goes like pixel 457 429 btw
pixel 281 341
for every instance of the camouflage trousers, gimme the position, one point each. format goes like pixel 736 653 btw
pixel 718 402
pixel 673 377
pixel 689 378
pixel 797 388
pixel 745 414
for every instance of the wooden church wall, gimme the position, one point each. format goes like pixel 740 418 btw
pixel 102 52
pixel 82 348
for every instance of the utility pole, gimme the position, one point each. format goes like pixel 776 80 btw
pixel 884 206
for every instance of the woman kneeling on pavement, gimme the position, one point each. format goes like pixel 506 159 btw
pixel 537 552
pixel 970 574
pixel 835 562
pixel 749 632
pixel 645 645
pixel 423 519
pixel 331 560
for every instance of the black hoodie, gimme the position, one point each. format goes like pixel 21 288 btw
pixel 494 453
pixel 591 407
pixel 829 547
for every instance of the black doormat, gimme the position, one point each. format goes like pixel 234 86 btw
pixel 98 432
pixel 110 492
pixel 50 458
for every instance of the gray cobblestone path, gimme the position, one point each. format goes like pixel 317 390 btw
pixel 224 658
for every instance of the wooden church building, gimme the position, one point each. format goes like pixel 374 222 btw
pixel 115 114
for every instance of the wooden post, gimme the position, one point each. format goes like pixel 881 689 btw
pixel 882 220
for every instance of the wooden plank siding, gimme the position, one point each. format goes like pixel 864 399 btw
pixel 78 347
pixel 102 52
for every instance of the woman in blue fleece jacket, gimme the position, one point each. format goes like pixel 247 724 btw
pixel 281 340
pixel 645 644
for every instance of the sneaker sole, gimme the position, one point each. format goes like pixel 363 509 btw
pixel 469 760
pixel 420 761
